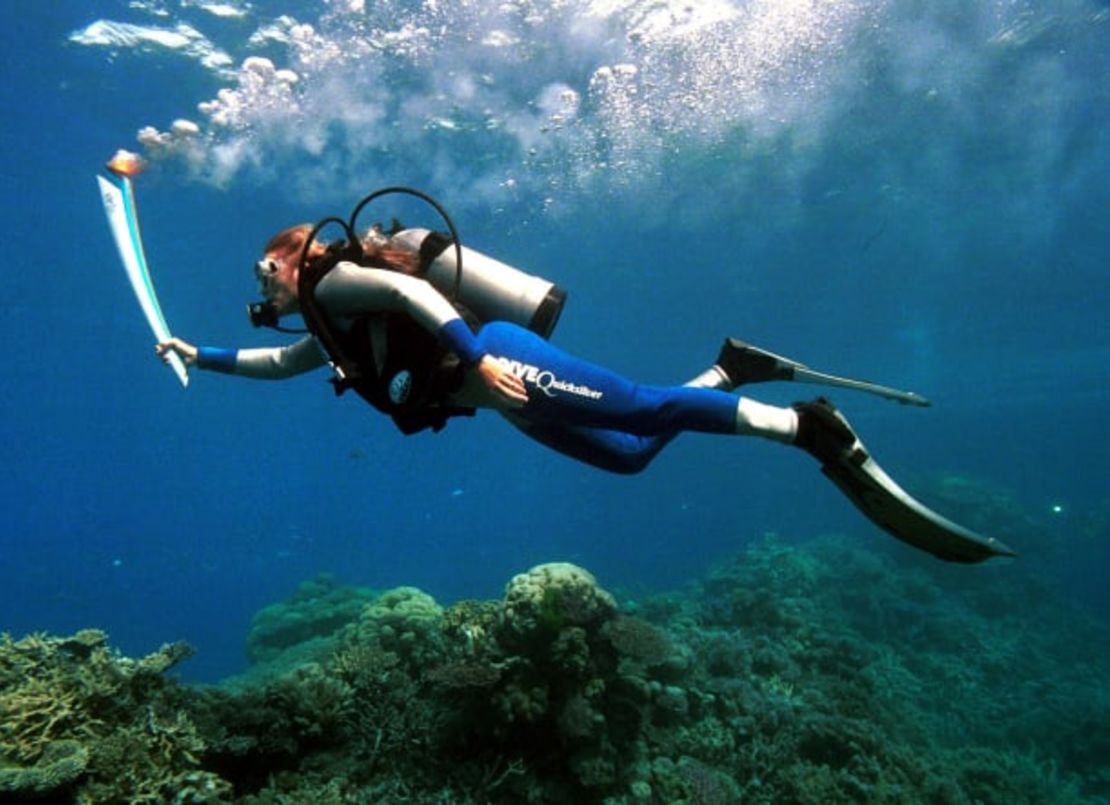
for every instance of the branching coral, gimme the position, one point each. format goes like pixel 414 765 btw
pixel 45 692
pixel 73 712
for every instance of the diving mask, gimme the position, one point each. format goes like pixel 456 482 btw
pixel 265 271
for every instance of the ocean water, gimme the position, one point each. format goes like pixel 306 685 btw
pixel 915 193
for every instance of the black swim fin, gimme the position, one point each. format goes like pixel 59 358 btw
pixel 743 363
pixel 825 433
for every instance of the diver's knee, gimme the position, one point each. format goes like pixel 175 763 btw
pixel 627 464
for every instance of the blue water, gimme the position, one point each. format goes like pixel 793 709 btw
pixel 914 193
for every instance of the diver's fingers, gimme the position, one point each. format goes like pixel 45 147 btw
pixel 511 391
pixel 185 350
pixel 514 386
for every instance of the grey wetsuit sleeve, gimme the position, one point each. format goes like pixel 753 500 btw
pixel 350 290
pixel 278 363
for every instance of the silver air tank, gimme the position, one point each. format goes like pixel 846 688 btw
pixel 491 289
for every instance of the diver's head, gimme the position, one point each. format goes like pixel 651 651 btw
pixel 277 282
pixel 277 273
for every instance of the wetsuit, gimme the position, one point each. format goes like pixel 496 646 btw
pixel 596 416
pixel 578 408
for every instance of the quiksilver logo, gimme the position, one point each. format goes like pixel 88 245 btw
pixel 546 381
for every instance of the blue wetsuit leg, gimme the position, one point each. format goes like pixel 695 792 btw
pixel 610 450
pixel 594 414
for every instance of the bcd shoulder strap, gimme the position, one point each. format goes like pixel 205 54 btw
pixel 347 371
pixel 416 365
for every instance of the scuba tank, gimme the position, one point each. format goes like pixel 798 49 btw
pixel 492 290
pixel 413 380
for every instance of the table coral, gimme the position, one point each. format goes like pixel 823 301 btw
pixel 59 766
pixel 317 609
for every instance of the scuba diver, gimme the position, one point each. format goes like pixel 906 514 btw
pixel 426 330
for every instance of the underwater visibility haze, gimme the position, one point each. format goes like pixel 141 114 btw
pixel 913 193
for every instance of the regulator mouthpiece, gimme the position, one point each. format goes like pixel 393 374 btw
pixel 263 314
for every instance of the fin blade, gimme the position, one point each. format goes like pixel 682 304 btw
pixel 894 510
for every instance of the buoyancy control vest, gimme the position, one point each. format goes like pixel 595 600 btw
pixel 389 359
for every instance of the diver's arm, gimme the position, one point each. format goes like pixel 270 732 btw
pixel 267 363
pixel 351 290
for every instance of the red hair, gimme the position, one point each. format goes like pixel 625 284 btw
pixel 289 243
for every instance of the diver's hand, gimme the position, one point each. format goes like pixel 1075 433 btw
pixel 506 387
pixel 186 351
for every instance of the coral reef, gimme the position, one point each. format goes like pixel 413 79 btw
pixel 814 673
pixel 58 767
pixel 76 717
pixel 550 597
pixel 307 619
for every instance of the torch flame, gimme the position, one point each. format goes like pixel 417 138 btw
pixel 125 163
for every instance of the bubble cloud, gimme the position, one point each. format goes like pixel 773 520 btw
pixel 539 96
